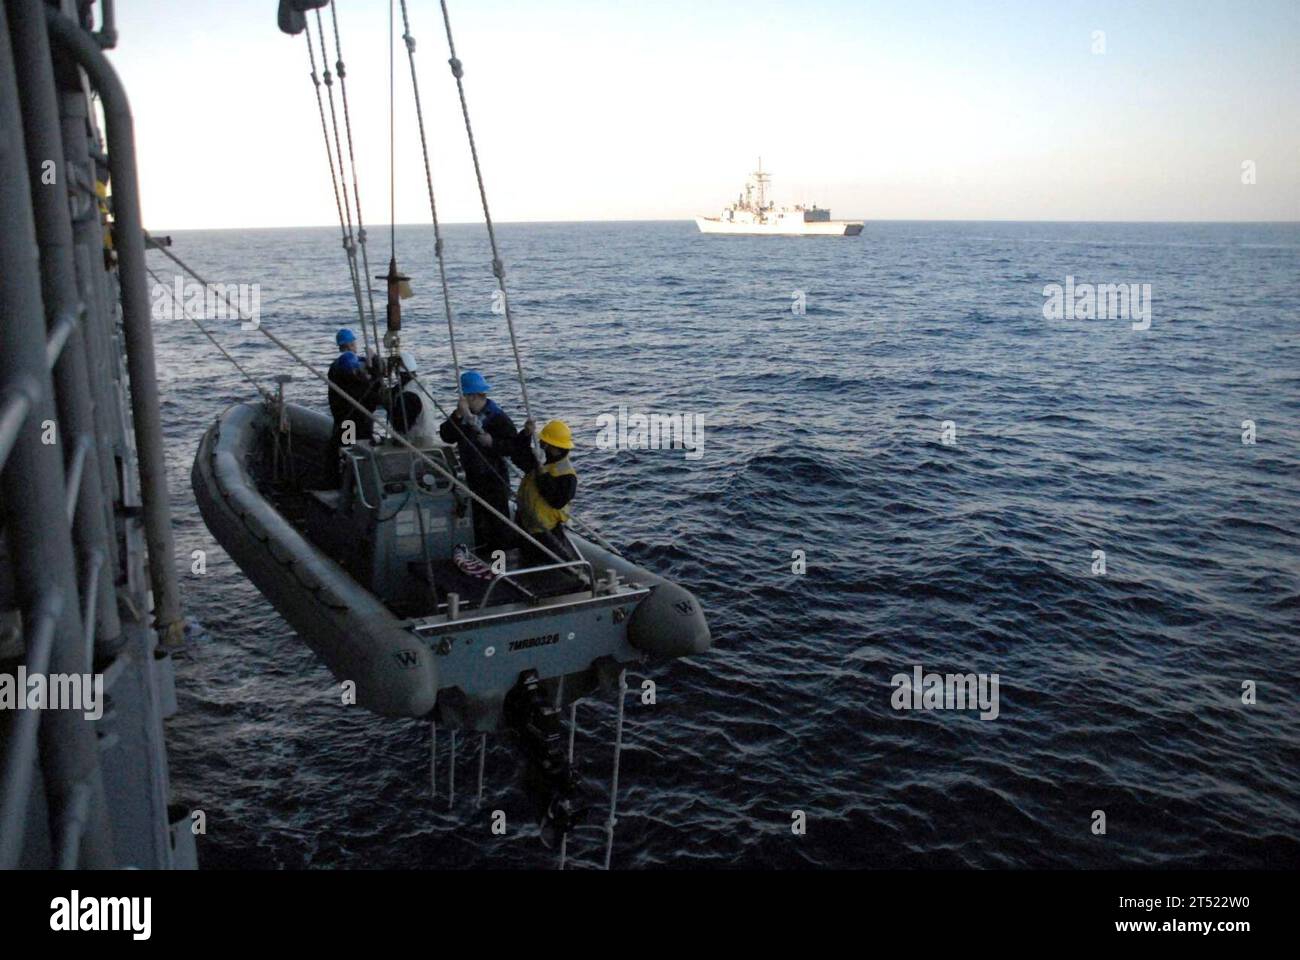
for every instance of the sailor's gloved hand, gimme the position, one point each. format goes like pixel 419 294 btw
pixel 530 427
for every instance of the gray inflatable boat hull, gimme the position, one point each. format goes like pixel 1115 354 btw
pixel 395 670
pixel 347 626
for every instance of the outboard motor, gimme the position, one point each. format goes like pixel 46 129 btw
pixel 550 780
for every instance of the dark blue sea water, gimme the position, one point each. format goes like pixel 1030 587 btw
pixel 1120 693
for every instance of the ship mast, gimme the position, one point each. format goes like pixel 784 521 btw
pixel 761 180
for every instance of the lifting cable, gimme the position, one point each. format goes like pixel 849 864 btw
pixel 344 222
pixel 433 205
pixel 498 267
pixel 352 160
pixel 392 144
pixel 204 330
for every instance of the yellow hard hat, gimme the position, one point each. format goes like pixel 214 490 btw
pixel 557 434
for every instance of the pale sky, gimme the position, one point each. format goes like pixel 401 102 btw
pixel 608 110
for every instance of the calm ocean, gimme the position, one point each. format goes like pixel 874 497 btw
pixel 824 432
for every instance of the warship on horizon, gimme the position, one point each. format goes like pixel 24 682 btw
pixel 753 214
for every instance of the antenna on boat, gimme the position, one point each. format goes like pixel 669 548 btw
pixel 399 289
pixel 398 284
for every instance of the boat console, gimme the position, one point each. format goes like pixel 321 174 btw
pixel 393 520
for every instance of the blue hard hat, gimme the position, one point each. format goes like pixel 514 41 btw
pixel 344 337
pixel 471 381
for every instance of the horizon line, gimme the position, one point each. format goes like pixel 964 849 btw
pixel 462 223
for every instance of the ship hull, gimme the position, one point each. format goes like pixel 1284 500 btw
pixel 825 228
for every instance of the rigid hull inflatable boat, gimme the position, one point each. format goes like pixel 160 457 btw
pixel 365 573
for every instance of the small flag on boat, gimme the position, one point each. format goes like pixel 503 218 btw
pixel 469 564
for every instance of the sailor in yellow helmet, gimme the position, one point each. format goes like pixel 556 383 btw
pixel 547 490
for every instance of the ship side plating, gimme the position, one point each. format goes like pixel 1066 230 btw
pixel 88 590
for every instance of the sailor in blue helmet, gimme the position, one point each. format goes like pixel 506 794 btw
pixel 363 384
pixel 485 437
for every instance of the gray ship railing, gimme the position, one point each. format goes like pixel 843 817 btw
pixel 506 575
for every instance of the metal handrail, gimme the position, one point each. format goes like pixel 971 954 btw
pixel 19 753
pixel 72 367
pixel 13 414
pixel 356 473
pixel 68 39
pixel 89 622
pixel 591 575
pixel 76 474
pixel 379 477
pixel 72 826
pixel 58 339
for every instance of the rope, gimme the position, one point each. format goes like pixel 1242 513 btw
pixel 402 441
pixel 392 142
pixel 498 267
pixel 433 205
pixel 349 246
pixel 345 224
pixel 612 822
pixel 352 159
pixel 592 533
pixel 204 330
